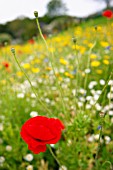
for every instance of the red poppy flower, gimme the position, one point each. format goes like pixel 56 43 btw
pixel 5 64
pixel 39 131
pixel 31 41
pixel 108 14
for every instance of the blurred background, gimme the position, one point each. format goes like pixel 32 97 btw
pixel 17 23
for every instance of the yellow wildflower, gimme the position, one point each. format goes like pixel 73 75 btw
pixel 26 66
pixel 95 63
pixel 106 62
pixel 35 70
pixel 62 61
pixel 104 43
pixel 99 71
pixel 19 74
pixel 106 57
pixel 93 56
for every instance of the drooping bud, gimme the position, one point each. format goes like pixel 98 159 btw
pixel 13 50
pixel 36 14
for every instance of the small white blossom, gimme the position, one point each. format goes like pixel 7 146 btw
pixel 74 92
pixel 33 95
pixel 110 112
pixel 52 145
pixel 96 97
pixel 63 168
pixel 82 91
pixel 111 89
pixel 102 82
pixel 88 106
pixel 87 70
pixel 2 159
pixel 92 102
pixel 107 139
pixel 1 127
pixel 33 114
pixel 47 100
pixel 8 148
pixel 29 167
pixel 88 98
pixel 20 95
pixel 110 95
pixel 93 92
pixel 112 120
pixel 80 104
pixel 28 157
pixel 110 82
pixel 96 137
pixel 91 138
pixel 98 107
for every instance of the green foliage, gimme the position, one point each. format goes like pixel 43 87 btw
pixel 5 39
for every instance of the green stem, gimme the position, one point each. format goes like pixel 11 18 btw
pixel 49 147
pixel 58 86
pixel 108 162
pixel 99 141
pixel 37 95
pixel 104 88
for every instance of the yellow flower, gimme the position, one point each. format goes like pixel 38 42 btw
pixel 106 57
pixel 104 43
pixel 19 74
pixel 68 75
pixel 26 66
pixel 48 68
pixel 99 71
pixel 93 56
pixel 62 61
pixel 106 62
pixel 90 45
pixel 37 61
pixel 95 63
pixel 3 82
pixel 35 70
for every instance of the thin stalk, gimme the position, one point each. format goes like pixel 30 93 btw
pixel 54 155
pixel 88 63
pixel 58 86
pixel 104 88
pixel 36 94
pixel 99 141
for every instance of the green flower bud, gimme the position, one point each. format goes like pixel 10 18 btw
pixel 13 50
pixel 36 14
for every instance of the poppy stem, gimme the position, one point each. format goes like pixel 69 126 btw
pixel 54 156
pixel 47 47
pixel 36 94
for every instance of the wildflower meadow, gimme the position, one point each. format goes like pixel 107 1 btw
pixel 56 100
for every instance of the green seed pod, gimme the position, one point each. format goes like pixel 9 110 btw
pixel 36 14
pixel 13 50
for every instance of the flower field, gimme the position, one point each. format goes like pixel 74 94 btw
pixel 69 78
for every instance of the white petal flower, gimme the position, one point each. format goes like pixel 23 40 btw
pixel 107 139
pixel 87 70
pixel 8 148
pixel 1 127
pixel 29 167
pixel 2 159
pixel 33 114
pixel 102 82
pixel 63 168
pixel 110 112
pixel 20 95
pixel 28 157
